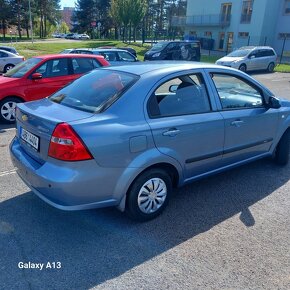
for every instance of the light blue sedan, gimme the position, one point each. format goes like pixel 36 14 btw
pixel 125 136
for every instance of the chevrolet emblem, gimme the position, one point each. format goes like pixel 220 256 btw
pixel 24 117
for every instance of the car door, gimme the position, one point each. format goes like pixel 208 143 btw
pixel 56 73
pixel 185 124
pixel 249 126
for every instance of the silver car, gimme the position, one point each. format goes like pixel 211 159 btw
pixel 8 60
pixel 249 58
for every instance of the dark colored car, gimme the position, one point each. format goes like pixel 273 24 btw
pixel 39 77
pixel 174 50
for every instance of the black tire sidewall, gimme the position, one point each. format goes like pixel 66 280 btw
pixel 271 67
pixel 6 66
pixel 244 66
pixel 283 149
pixel 132 208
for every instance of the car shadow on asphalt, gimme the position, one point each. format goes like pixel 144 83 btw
pixel 5 127
pixel 98 245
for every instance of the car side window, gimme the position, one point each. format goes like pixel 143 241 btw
pixel 83 65
pixel 123 55
pixel 3 54
pixel 109 56
pixel 54 68
pixel 236 93
pixel 179 96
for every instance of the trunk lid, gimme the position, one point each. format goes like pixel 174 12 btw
pixel 36 122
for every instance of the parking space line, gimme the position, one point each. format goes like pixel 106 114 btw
pixel 3 173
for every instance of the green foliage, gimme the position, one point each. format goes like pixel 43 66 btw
pixel 63 28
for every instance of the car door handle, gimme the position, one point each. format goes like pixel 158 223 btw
pixel 237 123
pixel 171 132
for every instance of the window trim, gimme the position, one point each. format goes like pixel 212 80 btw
pixel 260 90
pixel 284 9
pixel 153 96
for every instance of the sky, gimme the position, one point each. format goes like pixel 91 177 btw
pixel 67 3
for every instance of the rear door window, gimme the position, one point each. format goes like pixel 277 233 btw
pixel 180 96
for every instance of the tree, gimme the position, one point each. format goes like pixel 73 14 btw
pixel 63 28
pixel 4 15
pixel 89 12
pixel 128 13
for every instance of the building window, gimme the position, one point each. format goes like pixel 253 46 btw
pixel 287 7
pixel 284 35
pixel 247 11
pixel 226 9
pixel 208 33
pixel 243 34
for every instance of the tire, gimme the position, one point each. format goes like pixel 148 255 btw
pixel 243 68
pixel 282 152
pixel 148 195
pixel 7 110
pixel 8 67
pixel 271 67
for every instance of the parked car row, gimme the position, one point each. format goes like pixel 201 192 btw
pixel 71 35
pixel 45 77
pixel 112 55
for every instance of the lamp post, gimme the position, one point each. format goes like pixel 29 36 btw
pixel 30 20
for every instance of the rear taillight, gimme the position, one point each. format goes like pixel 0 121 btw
pixel 65 144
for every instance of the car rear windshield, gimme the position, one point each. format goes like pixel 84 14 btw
pixel 22 68
pixel 95 91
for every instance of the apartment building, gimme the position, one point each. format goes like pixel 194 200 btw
pixel 235 23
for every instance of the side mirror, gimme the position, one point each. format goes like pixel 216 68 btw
pixel 36 76
pixel 274 103
pixel 252 56
pixel 173 88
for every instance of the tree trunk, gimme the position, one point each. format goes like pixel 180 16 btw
pixel 18 19
pixel 130 32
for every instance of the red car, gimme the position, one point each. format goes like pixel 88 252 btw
pixel 40 76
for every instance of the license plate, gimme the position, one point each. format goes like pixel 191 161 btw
pixel 30 138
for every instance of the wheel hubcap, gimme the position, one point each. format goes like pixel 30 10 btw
pixel 152 195
pixel 8 111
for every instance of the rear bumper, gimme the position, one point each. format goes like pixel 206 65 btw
pixel 68 185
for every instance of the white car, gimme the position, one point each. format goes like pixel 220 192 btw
pixel 8 60
pixel 83 36
pixel 249 58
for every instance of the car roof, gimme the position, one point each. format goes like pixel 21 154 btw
pixel 8 47
pixel 8 52
pixel 102 49
pixel 255 47
pixel 141 68
pixel 69 55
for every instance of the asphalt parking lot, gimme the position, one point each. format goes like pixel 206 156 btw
pixel 229 231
